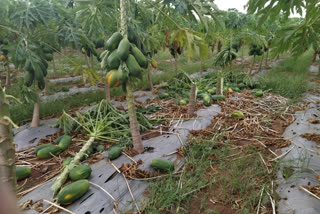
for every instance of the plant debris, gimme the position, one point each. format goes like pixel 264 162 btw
pixel 131 170
pixel 314 121
pixel 264 122
pixel 312 137
pixel 314 189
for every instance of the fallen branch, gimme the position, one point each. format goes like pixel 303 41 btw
pixel 56 205
pixel 125 154
pixel 188 193
pixel 260 200
pixel 310 150
pixel 44 211
pixel 133 199
pixel 272 204
pixel 307 191
pixel 265 164
pixel 284 154
pixel 96 185
pixel 127 185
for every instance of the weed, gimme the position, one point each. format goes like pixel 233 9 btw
pixel 235 182
pixel 23 113
pixel 290 77
pixel 171 193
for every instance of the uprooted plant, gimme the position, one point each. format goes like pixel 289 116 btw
pixel 103 123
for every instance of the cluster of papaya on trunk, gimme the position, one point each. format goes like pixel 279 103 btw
pixel 123 60
pixel 38 70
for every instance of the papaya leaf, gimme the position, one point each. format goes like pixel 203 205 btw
pixel 191 39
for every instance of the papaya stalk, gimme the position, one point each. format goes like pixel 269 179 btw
pixel 261 62
pixel 266 63
pixel 106 89
pixel 7 149
pixel 87 60
pixel 253 62
pixel 36 112
pixel 8 202
pixel 192 102
pixel 134 126
pixel 46 88
pixel 92 61
pixel 213 46
pixel 319 63
pixel 54 66
pixel 220 83
pixel 8 72
pixel 150 80
pixel 314 56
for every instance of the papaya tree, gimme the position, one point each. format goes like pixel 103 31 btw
pixel 297 36
pixel 124 63
pixel 132 70
pixel 144 29
pixel 26 49
pixel 255 50
pixel 188 38
pixel 223 59
pixel 236 23
pixel 97 20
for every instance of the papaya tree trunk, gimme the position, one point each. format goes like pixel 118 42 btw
pixel 106 89
pixel 253 62
pixel 192 100
pixel 172 63
pixel 266 64
pixel 201 71
pixel 242 52
pixel 46 88
pixel 319 64
pixel 59 62
pixel 134 126
pixel 8 202
pixel 7 149
pixel 176 64
pixel 261 62
pixel 8 72
pixel 220 83
pixel 54 67
pixel 150 80
pixel 314 56
pixel 87 60
pixel 36 113
pixel 92 62
pixel 213 46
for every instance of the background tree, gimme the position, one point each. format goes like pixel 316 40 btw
pixel 222 60
pixel 298 36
